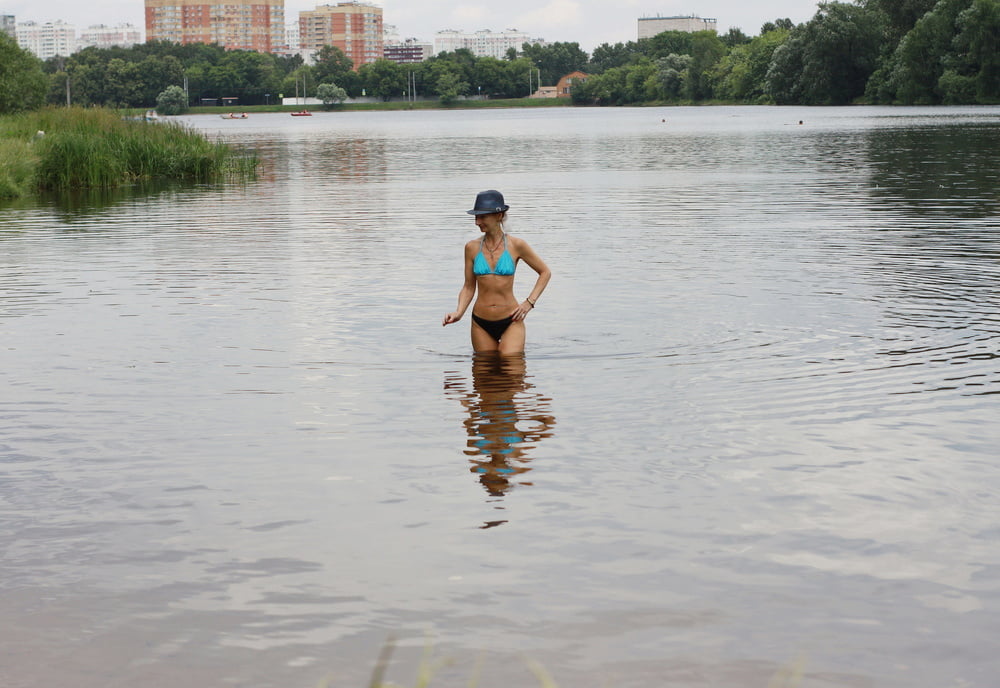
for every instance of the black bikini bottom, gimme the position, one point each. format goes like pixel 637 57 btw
pixel 494 328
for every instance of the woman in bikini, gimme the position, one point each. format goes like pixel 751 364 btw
pixel 497 317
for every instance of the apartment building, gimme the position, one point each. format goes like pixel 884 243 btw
pixel 354 27
pixel 8 25
pixel 236 25
pixel 47 40
pixel 484 43
pixel 403 50
pixel 407 51
pixel 103 36
pixel 650 26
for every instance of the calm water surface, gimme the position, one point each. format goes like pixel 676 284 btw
pixel 755 432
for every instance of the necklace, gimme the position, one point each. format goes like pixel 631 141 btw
pixel 495 247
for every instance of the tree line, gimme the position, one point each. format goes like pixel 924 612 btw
pixel 912 52
pixel 874 51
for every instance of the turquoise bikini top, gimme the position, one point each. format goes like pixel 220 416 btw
pixel 505 264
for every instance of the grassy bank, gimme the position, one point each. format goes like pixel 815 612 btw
pixel 57 149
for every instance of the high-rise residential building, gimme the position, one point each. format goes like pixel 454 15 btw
pixel 8 25
pixel 403 50
pixel 484 43
pixel 354 27
pixel 236 25
pixel 407 51
pixel 47 40
pixel 292 46
pixel 650 26
pixel 102 36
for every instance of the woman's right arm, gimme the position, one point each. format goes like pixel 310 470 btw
pixel 468 290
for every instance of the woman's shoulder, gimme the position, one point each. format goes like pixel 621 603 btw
pixel 471 247
pixel 517 242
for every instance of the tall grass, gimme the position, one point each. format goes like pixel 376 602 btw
pixel 18 165
pixel 97 148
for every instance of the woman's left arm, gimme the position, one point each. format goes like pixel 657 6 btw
pixel 528 255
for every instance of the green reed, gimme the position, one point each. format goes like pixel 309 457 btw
pixel 97 148
pixel 18 164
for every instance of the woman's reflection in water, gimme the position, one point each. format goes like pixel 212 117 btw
pixel 506 421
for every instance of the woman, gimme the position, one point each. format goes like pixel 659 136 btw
pixel 490 262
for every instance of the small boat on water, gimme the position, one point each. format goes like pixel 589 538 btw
pixel 302 113
pixel 235 116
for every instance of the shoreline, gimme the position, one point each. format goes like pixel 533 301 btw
pixel 371 106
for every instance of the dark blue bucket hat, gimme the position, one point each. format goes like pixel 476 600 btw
pixel 489 202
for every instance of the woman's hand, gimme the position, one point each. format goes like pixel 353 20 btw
pixel 522 310
pixel 452 318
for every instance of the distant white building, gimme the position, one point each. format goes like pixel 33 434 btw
pixel 484 43
pixel 650 26
pixel 293 44
pixel 47 40
pixel 102 36
pixel 8 24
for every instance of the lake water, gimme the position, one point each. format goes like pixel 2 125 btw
pixel 755 436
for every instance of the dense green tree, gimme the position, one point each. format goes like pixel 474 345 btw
pixel 976 50
pixel 667 43
pixel 607 88
pixel 555 60
pixel 331 94
pixel 783 83
pixel 172 101
pixel 742 74
pixel 23 84
pixel 911 75
pixel 450 86
pixel 460 62
pixel 246 74
pixel 383 79
pixel 155 73
pixel 122 83
pixel 671 71
pixel 828 60
pixel 606 56
pixel 900 15
pixel 522 78
pixel 331 64
pixel 706 51
pixel 734 37
pixel 777 24
pixel 843 44
pixel 490 77
pixel 641 82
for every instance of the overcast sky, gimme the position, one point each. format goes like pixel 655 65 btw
pixel 587 22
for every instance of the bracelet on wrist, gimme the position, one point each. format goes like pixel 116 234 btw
pixel 531 302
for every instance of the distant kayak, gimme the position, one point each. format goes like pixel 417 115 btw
pixel 303 113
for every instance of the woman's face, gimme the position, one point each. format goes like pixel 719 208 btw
pixel 488 222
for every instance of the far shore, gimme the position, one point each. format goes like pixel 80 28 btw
pixel 377 105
